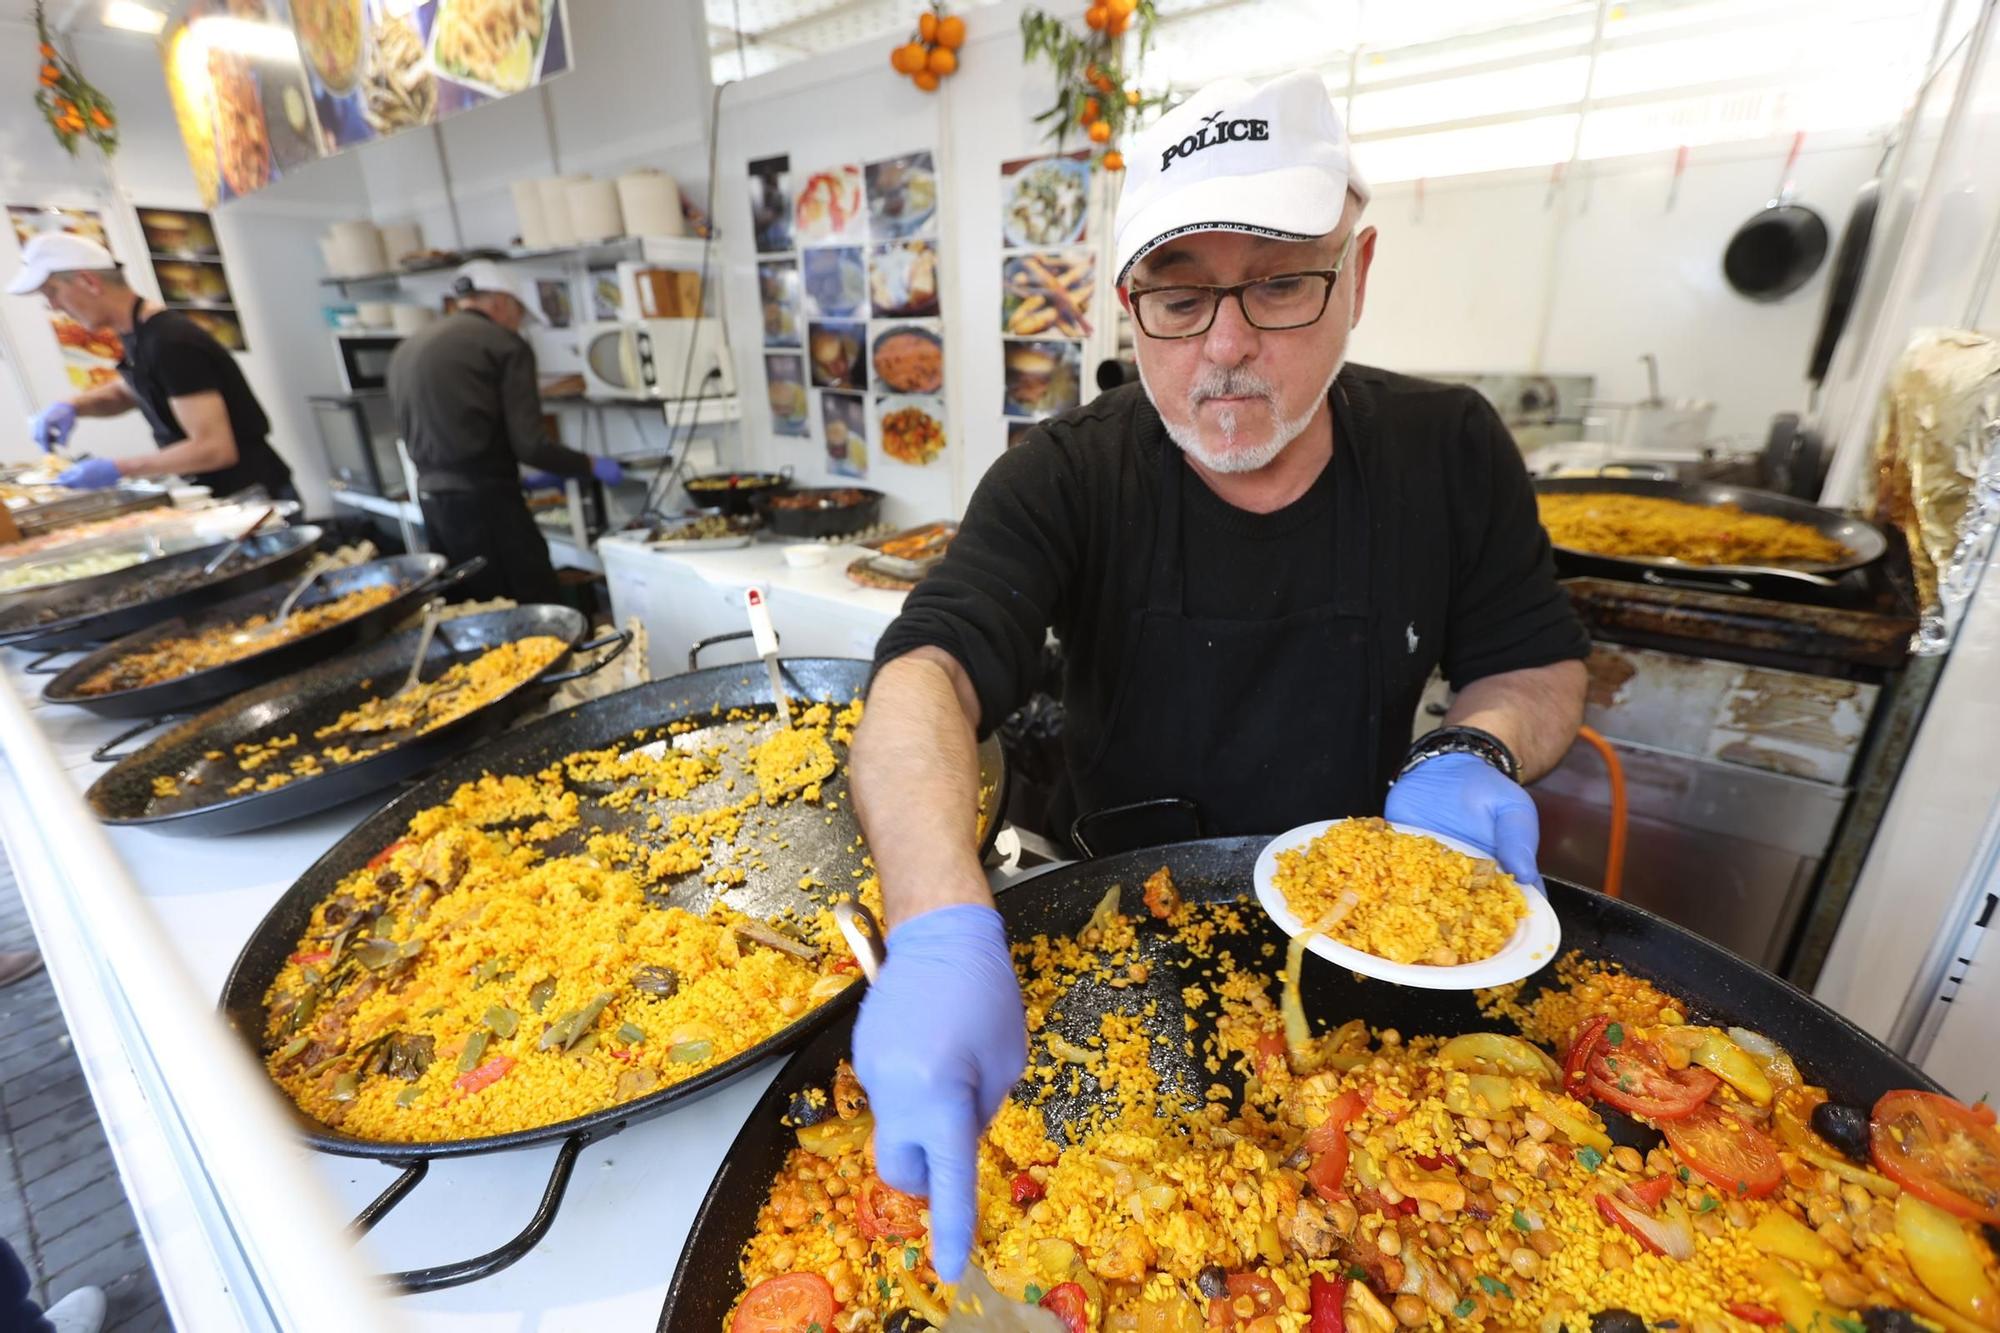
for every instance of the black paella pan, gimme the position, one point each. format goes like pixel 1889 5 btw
pixel 828 845
pixel 107 606
pixel 1865 542
pixel 1718 986
pixel 199 801
pixel 414 580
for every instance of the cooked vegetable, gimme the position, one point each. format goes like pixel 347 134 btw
pixel 567 1031
pixel 1726 1151
pixel 1671 1237
pixel 1793 1299
pixel 1789 1116
pixel 883 1213
pixel 1843 1126
pixel 794 1303
pixel 1068 1303
pixel 1778 1232
pixel 661 982
pixel 1770 1057
pixel 832 1136
pixel 1101 918
pixel 484 1076
pixel 1495 1053
pixel 503 1021
pixel 1717 1053
pixel 805 1109
pixel 1941 1151
pixel 1947 1259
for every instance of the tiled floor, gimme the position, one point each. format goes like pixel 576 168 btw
pixel 62 1207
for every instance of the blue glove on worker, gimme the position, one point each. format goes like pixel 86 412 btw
pixel 940 1043
pixel 607 470
pixel 540 481
pixel 1464 797
pixel 52 425
pixel 92 474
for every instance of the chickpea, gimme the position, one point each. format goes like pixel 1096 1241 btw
pixel 1344 1215
pixel 1497 1145
pixel 1857 1200
pixel 1530 1154
pixel 1628 1158
pixel 784 1255
pixel 1614 1256
pixel 1389 1241
pixel 1039 1174
pixel 1263 1323
pixel 1476 1241
pixel 1436 1234
pixel 1506 1193
pixel 835 1187
pixel 856 1250
pixel 1389 1193
pixel 1393 1272
pixel 1710 1223
pixel 1544 1242
pixel 1676 1055
pixel 1139 972
pixel 1819 1212
pixel 1739 1214
pixel 1538 1128
pixel 1843 1289
pixel 1525 1262
pixel 1411 1312
pixel 1661 1162
pixel 1479 1127
pixel 1836 1235
pixel 1041 1213
pixel 1389 1037
pixel 1463 1268
pixel 1297 1301
pixel 1243 1307
pixel 1428 1211
pixel 843 1291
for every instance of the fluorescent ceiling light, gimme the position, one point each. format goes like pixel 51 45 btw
pixel 244 37
pixel 133 17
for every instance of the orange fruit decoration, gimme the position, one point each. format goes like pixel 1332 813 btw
pixel 1100 131
pixel 926 80
pixel 1114 161
pixel 927 23
pixel 942 61
pixel 951 32
pixel 1091 111
pixel 1132 98
pixel 1096 17
pixel 1118 24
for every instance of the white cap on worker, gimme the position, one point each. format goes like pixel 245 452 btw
pixel 55 252
pixel 483 275
pixel 1271 159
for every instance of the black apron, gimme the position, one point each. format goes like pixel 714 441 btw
pixel 491 521
pixel 257 464
pixel 1226 727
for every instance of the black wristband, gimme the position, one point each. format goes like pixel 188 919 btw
pixel 1463 740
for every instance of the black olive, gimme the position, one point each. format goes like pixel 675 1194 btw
pixel 1888 1319
pixel 1616 1321
pixel 804 1110
pixel 1845 1127
pixel 1214 1283
pixel 905 1321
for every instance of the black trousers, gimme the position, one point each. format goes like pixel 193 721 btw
pixel 491 521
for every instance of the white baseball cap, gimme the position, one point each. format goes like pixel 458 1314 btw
pixel 1271 159
pixel 54 252
pixel 483 275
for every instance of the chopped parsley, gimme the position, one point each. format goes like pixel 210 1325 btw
pixel 1032 1295
pixel 1708 1204
pixel 1849 1325
pixel 910 1258
pixel 1493 1286
pixel 882 1288
pixel 1683 1174
pixel 1615 1034
pixel 1742 1187
pixel 1464 1309
pixel 814 1327
pixel 1356 1273
pixel 1521 1219
pixel 1590 1157
pixel 1625 1083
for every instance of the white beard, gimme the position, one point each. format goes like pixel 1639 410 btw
pixel 1234 456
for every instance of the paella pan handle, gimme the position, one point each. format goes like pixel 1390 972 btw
pixel 1083 823
pixel 109 753
pixel 439 1276
pixel 694 653
pixel 456 575
pixel 40 666
pixel 621 639
pixel 1659 580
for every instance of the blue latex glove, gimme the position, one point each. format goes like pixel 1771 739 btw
pixel 940 1043
pixel 541 481
pixel 52 425
pixel 1464 797
pixel 92 474
pixel 607 470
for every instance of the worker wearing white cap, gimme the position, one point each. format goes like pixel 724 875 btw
pixel 469 407
pixel 206 421
pixel 1254 560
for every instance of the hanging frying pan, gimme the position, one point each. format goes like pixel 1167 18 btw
pixel 1849 261
pixel 1779 249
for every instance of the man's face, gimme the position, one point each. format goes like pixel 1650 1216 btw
pixel 1235 396
pixel 500 307
pixel 81 296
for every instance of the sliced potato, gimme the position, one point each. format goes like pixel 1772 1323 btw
pixel 1719 1055
pixel 1497 1053
pixel 1780 1233
pixel 1947 1260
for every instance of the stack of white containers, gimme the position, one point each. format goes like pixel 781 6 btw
pixel 578 210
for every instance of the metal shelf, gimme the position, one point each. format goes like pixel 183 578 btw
pixel 590 254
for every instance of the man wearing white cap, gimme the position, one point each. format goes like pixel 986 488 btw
pixel 1253 560
pixel 469 406
pixel 207 423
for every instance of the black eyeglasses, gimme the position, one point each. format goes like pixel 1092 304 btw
pixel 1281 301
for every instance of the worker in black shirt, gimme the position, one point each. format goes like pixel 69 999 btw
pixel 470 411
pixel 206 421
pixel 1253 562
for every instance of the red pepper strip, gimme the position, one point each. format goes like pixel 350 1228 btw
pixel 1027 1189
pixel 1649 1193
pixel 317 957
pixel 484 1076
pixel 1755 1314
pixel 1437 1162
pixel 1607 1208
pixel 1329 1301
pixel 375 861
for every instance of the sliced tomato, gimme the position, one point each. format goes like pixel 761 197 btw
pixel 885 1213
pixel 308 959
pixel 793 1303
pixel 1633 1076
pixel 1329 1304
pixel 1026 1189
pixel 1328 1145
pixel 1580 1049
pixel 1755 1314
pixel 1265 1298
pixel 1942 1151
pixel 1270 1052
pixel 1734 1156
pixel 1069 1302
pixel 1650 1192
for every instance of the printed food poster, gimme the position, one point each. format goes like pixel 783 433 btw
pixel 771 204
pixel 186 282
pixel 1045 201
pixel 902 197
pixel 90 356
pixel 602 284
pixel 839 355
pixel 1047 295
pixel 830 208
pixel 908 358
pixel 836 282
pixel 844 427
pixel 903 279
pixel 553 295
pixel 1044 377
pixel 222 325
pixel 177 233
pixel 911 430
pixel 785 383
pixel 778 286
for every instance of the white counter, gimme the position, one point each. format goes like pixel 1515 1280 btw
pixel 139 930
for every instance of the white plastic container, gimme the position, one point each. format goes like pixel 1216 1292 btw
pixel 651 204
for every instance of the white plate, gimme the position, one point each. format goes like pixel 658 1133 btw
pixel 1532 947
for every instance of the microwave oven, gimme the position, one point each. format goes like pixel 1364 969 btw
pixel 657 358
pixel 364 360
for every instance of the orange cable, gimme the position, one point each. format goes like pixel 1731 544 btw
pixel 1614 854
